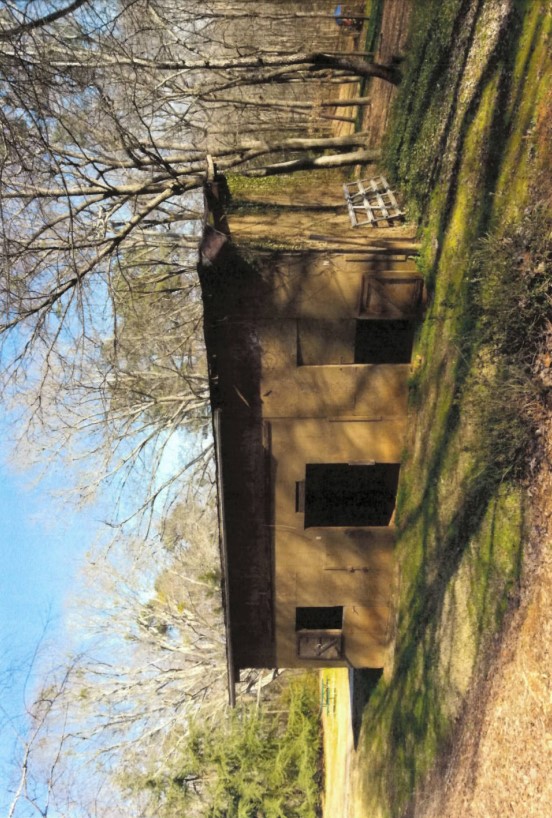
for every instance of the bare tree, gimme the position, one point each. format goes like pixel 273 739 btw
pixel 152 618
pixel 41 779
pixel 113 117
pixel 150 627
pixel 111 124
pixel 16 21
pixel 151 658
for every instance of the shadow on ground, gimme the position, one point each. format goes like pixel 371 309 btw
pixel 362 684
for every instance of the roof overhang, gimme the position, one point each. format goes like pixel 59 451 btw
pixel 224 562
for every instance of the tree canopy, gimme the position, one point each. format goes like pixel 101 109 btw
pixel 113 116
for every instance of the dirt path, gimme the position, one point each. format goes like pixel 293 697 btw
pixel 391 43
pixel 338 746
pixel 502 758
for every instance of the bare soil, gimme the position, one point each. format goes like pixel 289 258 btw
pixel 391 45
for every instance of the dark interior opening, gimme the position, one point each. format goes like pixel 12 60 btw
pixel 383 342
pixel 319 619
pixel 350 341
pixel 339 494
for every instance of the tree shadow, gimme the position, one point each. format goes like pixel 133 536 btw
pixel 418 104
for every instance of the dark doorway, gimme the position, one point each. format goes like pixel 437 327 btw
pixel 339 494
pixel 383 342
pixel 362 684
pixel 319 618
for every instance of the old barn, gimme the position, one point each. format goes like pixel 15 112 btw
pixel 309 355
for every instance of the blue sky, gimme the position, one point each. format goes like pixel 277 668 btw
pixel 38 560
pixel 40 550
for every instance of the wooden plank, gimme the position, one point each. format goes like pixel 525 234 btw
pixel 379 182
pixel 392 199
pixel 361 189
pixel 379 199
pixel 348 202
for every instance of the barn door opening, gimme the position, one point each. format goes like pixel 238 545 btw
pixel 345 495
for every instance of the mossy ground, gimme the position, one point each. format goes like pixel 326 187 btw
pixel 466 147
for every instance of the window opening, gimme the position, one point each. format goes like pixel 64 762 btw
pixel 319 633
pixel 347 495
pixel 319 618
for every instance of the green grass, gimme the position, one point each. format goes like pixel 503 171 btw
pixel 464 146
pixel 374 10
pixel 248 190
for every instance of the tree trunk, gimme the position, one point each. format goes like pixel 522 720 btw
pixel 338 160
pixel 360 67
pixel 317 60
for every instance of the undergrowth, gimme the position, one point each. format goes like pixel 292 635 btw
pixel 255 761
pixel 511 303
pixel 253 188
pixel 512 287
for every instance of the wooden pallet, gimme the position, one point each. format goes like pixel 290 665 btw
pixel 371 201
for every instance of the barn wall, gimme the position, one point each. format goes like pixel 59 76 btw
pixel 264 318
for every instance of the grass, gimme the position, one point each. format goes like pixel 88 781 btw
pixel 269 191
pixel 466 146
pixel 374 10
